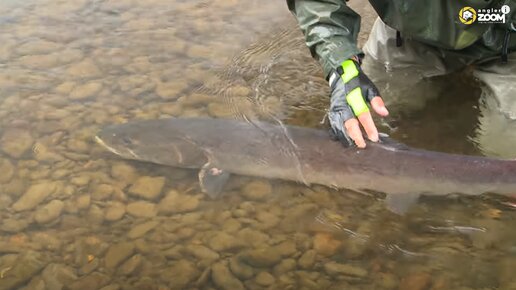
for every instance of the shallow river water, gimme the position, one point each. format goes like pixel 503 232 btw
pixel 73 216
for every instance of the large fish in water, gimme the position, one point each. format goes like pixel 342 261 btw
pixel 222 146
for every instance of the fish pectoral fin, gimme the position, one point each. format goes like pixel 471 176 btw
pixel 400 203
pixel 212 180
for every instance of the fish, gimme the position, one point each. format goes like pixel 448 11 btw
pixel 221 147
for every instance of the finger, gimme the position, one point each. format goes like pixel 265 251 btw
pixel 379 107
pixel 367 122
pixel 353 130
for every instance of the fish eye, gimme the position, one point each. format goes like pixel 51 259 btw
pixel 127 141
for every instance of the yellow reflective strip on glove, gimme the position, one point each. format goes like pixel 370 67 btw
pixel 356 102
pixel 350 70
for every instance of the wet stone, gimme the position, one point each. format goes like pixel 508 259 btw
pixel 102 192
pixel 131 265
pixel 93 281
pixel 175 202
pixel 173 109
pixel 147 187
pixel 325 244
pixel 387 281
pixel 142 209
pixel 15 142
pixel 264 279
pixel 142 229
pixel 224 242
pixel 49 212
pixel 118 253
pixel 334 268
pixel 264 257
pixel 57 276
pixel 14 225
pixel 123 172
pixel 224 279
pixel 241 270
pixel 307 260
pixel 6 170
pixel 202 252
pixel 257 190
pixel 37 47
pixel 36 194
pixel 88 90
pixel 21 270
pixel 415 281
pixel 84 69
pixel 181 274
pixel 286 265
pixel 170 90
pixel 115 211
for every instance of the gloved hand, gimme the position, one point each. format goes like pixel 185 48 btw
pixel 351 92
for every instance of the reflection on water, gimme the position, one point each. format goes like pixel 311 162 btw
pixel 73 217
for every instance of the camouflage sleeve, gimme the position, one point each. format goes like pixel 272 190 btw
pixel 330 28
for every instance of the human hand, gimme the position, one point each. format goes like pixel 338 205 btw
pixel 351 92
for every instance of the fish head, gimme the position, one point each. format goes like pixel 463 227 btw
pixel 121 140
pixel 154 141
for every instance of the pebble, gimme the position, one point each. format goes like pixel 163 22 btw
pixel 264 279
pixel 85 91
pixel 7 170
pixel 49 212
pixel 58 276
pixel 180 274
pixel 15 142
pixel 84 69
pixel 334 268
pixel 147 187
pixel 37 47
pixel 141 229
pixel 241 270
pixel 175 202
pixel 325 244
pixel 142 209
pixel 115 211
pixel 257 190
pixel 118 253
pixel 222 241
pixel 224 279
pixel 92 281
pixel 307 260
pixel 131 265
pixel 36 194
pixel 415 281
pixel 123 172
pixel 24 268
pixel 170 90
pixel 286 265
pixel 387 281
pixel 172 109
pixel 102 192
pixel 202 252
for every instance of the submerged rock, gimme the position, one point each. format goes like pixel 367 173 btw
pixel 180 275
pixel 20 271
pixel 257 190
pixel 224 279
pixel 36 194
pixel 147 187
pixel 15 142
pixel 142 209
pixel 57 276
pixel 118 253
pixel 6 169
pixel 141 229
pixel 49 212
pixel 175 202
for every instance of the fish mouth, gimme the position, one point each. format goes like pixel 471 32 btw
pixel 103 144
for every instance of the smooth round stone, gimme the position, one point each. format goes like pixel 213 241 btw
pixel 264 279
pixel 115 211
pixel 142 209
pixel 49 212
pixel 84 69
pixel 36 194
pixel 170 90
pixel 257 190
pixel 85 91
pixel 147 187
pixel 175 202
pixel 6 170
pixel 15 142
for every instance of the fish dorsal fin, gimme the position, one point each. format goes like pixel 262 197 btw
pixel 400 203
pixel 212 180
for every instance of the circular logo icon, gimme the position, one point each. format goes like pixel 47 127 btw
pixel 467 15
pixel 506 9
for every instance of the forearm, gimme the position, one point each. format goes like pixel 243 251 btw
pixel 330 28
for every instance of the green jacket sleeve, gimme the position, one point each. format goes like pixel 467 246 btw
pixel 330 28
